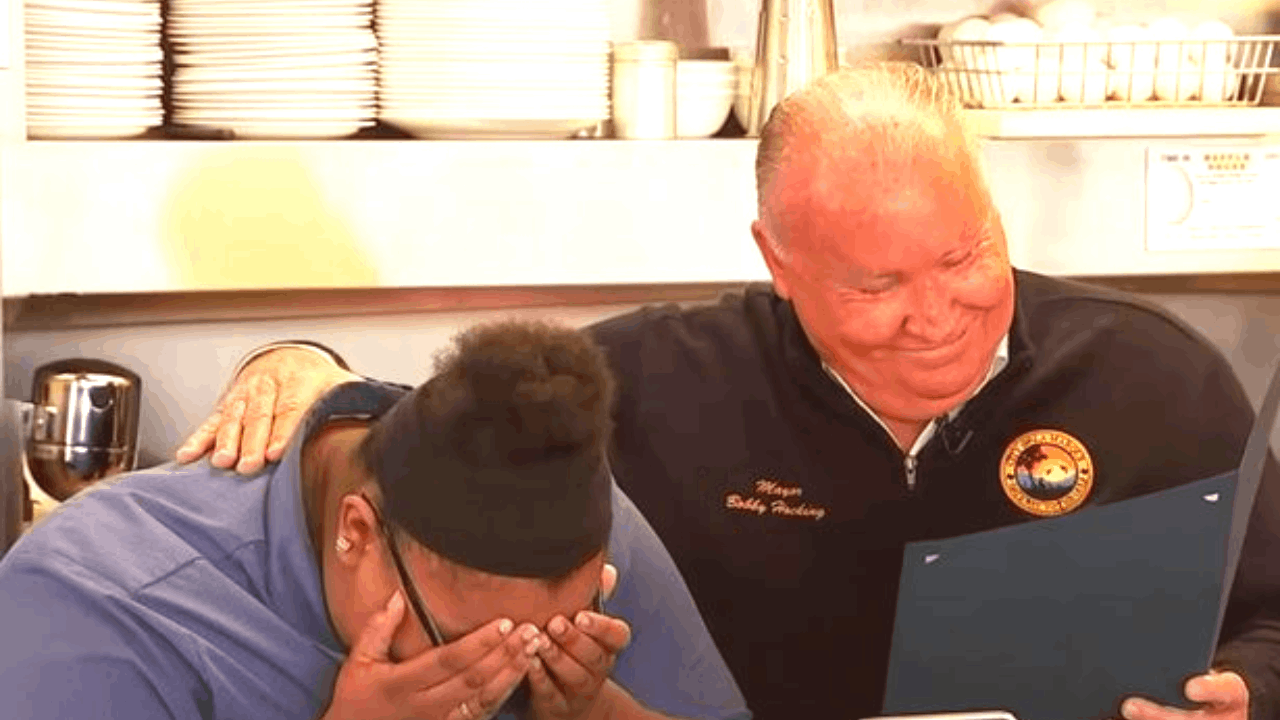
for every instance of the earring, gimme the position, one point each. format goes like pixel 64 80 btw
pixel 343 544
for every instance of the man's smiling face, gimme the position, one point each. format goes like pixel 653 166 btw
pixel 898 270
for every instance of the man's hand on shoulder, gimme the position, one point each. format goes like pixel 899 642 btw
pixel 1221 695
pixel 259 413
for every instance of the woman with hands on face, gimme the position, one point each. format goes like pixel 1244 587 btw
pixel 440 553
pixel 464 538
pixel 562 682
pixel 464 652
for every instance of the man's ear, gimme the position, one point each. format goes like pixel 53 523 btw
pixel 769 250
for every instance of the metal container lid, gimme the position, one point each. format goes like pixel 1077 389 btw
pixel 646 51
pixel 85 402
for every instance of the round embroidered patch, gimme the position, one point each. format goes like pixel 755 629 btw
pixel 1046 472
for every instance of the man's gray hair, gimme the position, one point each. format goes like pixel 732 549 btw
pixel 896 109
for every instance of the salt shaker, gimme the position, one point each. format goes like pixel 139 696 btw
pixel 644 90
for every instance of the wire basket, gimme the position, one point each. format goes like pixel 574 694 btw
pixel 1187 73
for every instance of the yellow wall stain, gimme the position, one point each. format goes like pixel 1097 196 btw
pixel 252 217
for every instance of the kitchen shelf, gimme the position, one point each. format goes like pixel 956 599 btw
pixel 134 218
pixel 101 218
pixel 166 216
pixel 1152 122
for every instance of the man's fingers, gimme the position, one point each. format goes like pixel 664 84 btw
pixel 279 387
pixel 228 443
pixel 1223 694
pixel 1139 709
pixel 285 422
pixel 298 391
pixel 258 418
pixel 1203 689
pixel 1218 688
pixel 374 642
pixel 200 441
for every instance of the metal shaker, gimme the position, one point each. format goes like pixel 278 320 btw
pixel 795 43
pixel 81 424
pixel 12 483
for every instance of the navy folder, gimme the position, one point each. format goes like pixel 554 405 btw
pixel 1059 619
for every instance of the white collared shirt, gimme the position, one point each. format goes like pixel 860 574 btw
pixel 998 363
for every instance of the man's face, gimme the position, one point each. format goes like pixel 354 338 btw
pixel 902 283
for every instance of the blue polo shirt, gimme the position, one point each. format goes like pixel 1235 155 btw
pixel 186 591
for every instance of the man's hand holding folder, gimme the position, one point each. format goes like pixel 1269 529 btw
pixel 1223 695
pixel 1058 619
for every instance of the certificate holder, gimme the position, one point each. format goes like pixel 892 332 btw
pixel 1059 619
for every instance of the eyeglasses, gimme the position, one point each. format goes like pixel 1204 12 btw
pixel 415 600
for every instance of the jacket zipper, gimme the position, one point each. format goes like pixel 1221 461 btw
pixel 909 464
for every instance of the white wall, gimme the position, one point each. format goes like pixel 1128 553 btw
pixel 184 366
pixel 732 23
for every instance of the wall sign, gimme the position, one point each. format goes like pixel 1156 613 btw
pixel 1212 198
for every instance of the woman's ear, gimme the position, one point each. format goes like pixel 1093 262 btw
pixel 357 529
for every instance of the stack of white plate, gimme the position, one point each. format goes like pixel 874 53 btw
pixel 274 68
pixel 93 68
pixel 494 68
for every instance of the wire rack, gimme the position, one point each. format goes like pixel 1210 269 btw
pixel 1104 74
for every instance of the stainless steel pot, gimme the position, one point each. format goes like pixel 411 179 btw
pixel 81 424
pixel 12 484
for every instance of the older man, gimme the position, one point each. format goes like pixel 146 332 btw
pixel 425 564
pixel 788 441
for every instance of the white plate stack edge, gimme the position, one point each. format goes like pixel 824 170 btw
pixel 93 68
pixel 493 68
pixel 265 69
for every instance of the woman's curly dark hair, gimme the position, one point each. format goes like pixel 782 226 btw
pixel 511 432
pixel 514 392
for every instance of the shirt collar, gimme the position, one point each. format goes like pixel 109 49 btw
pixel 293 578
pixel 998 363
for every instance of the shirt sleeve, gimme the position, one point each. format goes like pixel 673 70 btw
pixel 671 665
pixel 60 659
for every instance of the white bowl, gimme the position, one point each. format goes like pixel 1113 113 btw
pixel 701 114
pixel 705 71
pixel 729 81
pixel 705 91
